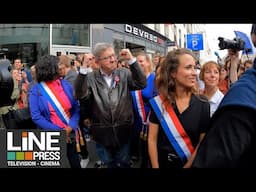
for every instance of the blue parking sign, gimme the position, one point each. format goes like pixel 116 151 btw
pixel 195 42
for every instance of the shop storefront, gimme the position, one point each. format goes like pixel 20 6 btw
pixel 31 41
pixel 136 37
pixel 26 41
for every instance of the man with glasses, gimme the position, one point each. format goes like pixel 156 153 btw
pixel 105 98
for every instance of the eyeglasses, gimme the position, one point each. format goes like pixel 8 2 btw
pixel 108 57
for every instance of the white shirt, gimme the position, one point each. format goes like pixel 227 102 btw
pixel 107 78
pixel 215 101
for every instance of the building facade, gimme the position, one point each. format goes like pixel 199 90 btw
pixel 136 37
pixel 31 41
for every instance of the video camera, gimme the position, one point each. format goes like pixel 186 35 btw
pixel 237 44
pixel 6 82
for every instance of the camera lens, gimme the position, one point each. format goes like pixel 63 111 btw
pixel 236 44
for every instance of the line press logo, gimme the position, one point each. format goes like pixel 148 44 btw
pixel 33 148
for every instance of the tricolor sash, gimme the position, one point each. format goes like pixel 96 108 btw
pixel 139 106
pixel 172 128
pixel 56 104
pixel 49 95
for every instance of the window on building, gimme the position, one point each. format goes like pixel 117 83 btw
pixel 166 30
pixel 118 45
pixel 185 42
pixel 71 34
pixel 180 38
pixel 25 41
pixel 175 34
pixel 157 28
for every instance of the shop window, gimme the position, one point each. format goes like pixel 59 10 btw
pixel 71 34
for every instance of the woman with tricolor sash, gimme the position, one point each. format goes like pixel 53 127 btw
pixel 52 104
pixel 179 116
pixel 141 108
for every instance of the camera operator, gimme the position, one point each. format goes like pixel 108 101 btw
pixel 15 93
pixel 6 87
pixel 232 60
pixel 231 63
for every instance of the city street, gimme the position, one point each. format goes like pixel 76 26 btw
pixel 93 157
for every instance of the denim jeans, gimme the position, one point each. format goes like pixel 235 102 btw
pixel 114 158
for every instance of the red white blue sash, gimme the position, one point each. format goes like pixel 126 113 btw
pixel 140 108
pixel 59 109
pixel 139 104
pixel 172 128
pixel 56 104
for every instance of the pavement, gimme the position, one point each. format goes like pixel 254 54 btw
pixel 93 157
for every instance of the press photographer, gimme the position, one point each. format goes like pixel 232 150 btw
pixel 6 82
pixel 232 60
pixel 13 116
pixel 236 44
pixel 7 88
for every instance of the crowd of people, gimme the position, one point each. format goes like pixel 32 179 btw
pixel 165 112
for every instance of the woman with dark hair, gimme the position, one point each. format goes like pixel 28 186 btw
pixel 53 106
pixel 180 116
